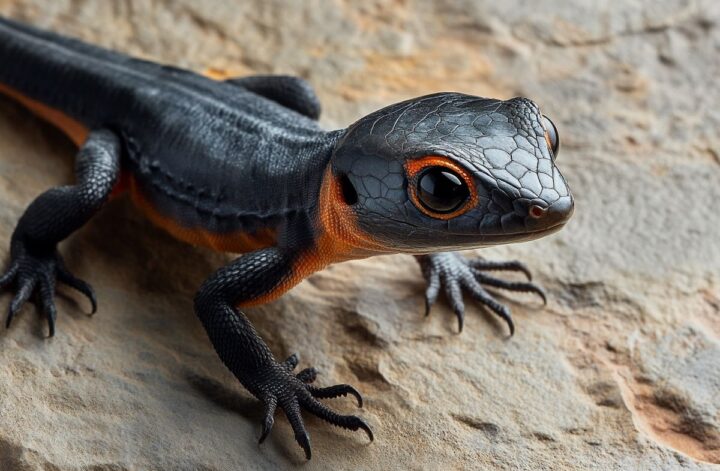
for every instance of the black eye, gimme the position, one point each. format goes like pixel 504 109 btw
pixel 441 190
pixel 551 135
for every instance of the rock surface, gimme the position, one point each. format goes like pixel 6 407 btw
pixel 620 371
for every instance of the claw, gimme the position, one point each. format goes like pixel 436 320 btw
pixel 433 289
pixel 511 285
pixel 22 295
pixel 7 278
pixel 64 276
pixel 292 411
pixel 361 424
pixel 514 265
pixel 288 392
pixel 303 440
pixel 453 292
pixel 349 422
pixel 457 274
pixel 38 273
pixel 269 420
pixel 461 320
pixel 331 392
pixel 47 291
pixel 502 311
pixel 8 321
pixel 51 316
pixel 509 321
pixel 50 313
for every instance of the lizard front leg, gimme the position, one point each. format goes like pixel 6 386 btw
pixel 455 273
pixel 35 264
pixel 250 278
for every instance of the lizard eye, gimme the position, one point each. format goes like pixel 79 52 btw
pixel 551 135
pixel 441 190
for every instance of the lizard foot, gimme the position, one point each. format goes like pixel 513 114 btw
pixel 455 274
pixel 37 271
pixel 280 387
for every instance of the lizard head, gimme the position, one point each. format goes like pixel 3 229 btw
pixel 452 171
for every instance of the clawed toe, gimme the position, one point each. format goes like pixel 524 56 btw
pixel 269 418
pixel 24 290
pixel 455 275
pixel 480 263
pixel 292 394
pixel 291 407
pixel 67 278
pixel 37 275
pixel 292 362
pixel 332 392
pixel 520 287
pixel 9 276
pixel 308 375
pixel 349 422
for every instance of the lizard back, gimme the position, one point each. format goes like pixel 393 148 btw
pixel 210 158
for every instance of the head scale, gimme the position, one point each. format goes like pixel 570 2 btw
pixel 452 171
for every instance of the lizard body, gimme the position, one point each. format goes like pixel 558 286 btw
pixel 242 166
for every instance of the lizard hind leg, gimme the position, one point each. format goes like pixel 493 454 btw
pixel 35 263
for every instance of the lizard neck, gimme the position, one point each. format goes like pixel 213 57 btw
pixel 340 237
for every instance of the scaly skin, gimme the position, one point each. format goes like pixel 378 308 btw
pixel 243 166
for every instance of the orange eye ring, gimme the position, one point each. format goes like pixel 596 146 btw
pixel 548 141
pixel 552 137
pixel 415 168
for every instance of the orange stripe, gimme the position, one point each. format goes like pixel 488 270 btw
pixel 237 242
pixel 215 73
pixel 71 127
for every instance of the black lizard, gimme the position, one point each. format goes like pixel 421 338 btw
pixel 242 166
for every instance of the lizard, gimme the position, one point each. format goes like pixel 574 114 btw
pixel 242 165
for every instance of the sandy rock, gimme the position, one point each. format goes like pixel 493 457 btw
pixel 620 371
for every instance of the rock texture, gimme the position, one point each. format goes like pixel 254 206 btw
pixel 620 371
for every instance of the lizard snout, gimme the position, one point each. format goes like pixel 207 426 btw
pixel 556 214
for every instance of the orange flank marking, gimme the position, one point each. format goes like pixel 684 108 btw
pixel 339 239
pixel 71 127
pixel 218 74
pixel 237 242
pixel 122 185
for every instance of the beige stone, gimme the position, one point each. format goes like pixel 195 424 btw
pixel 620 371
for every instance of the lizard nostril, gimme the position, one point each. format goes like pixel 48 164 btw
pixel 537 212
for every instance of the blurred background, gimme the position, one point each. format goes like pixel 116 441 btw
pixel 620 371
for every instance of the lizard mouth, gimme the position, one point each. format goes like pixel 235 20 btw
pixel 466 241
pixel 511 236
pixel 523 235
